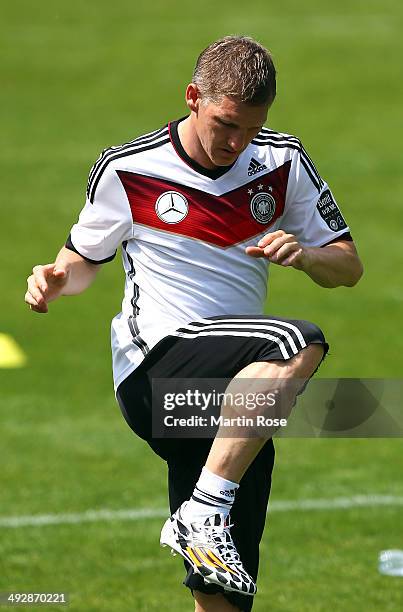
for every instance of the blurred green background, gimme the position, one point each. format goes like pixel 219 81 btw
pixel 77 77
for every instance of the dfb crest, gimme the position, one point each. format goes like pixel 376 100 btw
pixel 263 207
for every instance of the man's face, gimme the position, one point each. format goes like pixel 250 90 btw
pixel 227 127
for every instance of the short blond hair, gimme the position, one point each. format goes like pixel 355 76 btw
pixel 236 66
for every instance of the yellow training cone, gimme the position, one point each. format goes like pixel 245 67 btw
pixel 11 356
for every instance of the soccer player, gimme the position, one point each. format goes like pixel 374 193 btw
pixel 200 208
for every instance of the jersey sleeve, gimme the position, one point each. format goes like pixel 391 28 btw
pixel 104 222
pixel 311 212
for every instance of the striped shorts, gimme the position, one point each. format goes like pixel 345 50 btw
pixel 216 347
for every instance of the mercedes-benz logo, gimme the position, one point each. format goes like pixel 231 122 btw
pixel 171 207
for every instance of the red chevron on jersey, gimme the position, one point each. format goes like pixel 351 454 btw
pixel 223 220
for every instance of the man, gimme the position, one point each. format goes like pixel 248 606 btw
pixel 200 208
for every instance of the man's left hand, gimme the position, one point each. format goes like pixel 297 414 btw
pixel 280 248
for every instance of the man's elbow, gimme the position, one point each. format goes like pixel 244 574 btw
pixel 355 273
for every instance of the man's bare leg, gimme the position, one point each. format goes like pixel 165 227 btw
pixel 231 457
pixel 199 529
pixel 212 603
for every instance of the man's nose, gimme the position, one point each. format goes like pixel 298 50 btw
pixel 237 141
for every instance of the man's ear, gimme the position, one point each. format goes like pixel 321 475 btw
pixel 192 97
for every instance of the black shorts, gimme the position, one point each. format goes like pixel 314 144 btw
pixel 218 347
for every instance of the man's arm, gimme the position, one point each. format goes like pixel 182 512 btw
pixel 332 265
pixel 70 274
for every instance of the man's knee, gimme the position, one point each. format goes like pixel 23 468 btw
pixel 308 360
pixel 316 343
pixel 312 351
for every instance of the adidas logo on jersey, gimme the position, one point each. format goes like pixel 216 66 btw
pixel 255 167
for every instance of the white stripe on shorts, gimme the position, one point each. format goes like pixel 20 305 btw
pixel 222 324
pixel 242 323
pixel 237 333
pixel 290 326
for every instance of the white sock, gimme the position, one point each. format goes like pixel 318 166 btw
pixel 212 494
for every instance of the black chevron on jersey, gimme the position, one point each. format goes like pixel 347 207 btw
pixel 267 133
pixel 110 150
pixel 305 159
pixel 136 141
pixel 122 151
pixel 279 137
pixel 278 140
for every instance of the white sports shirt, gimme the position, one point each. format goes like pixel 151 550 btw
pixel 183 230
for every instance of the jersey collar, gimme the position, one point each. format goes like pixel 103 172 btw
pixel 214 173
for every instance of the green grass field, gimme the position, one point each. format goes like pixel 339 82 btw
pixel 77 77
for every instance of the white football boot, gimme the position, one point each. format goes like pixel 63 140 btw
pixel 209 548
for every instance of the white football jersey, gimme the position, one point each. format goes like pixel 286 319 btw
pixel 183 230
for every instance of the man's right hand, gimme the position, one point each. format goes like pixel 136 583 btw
pixel 45 284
